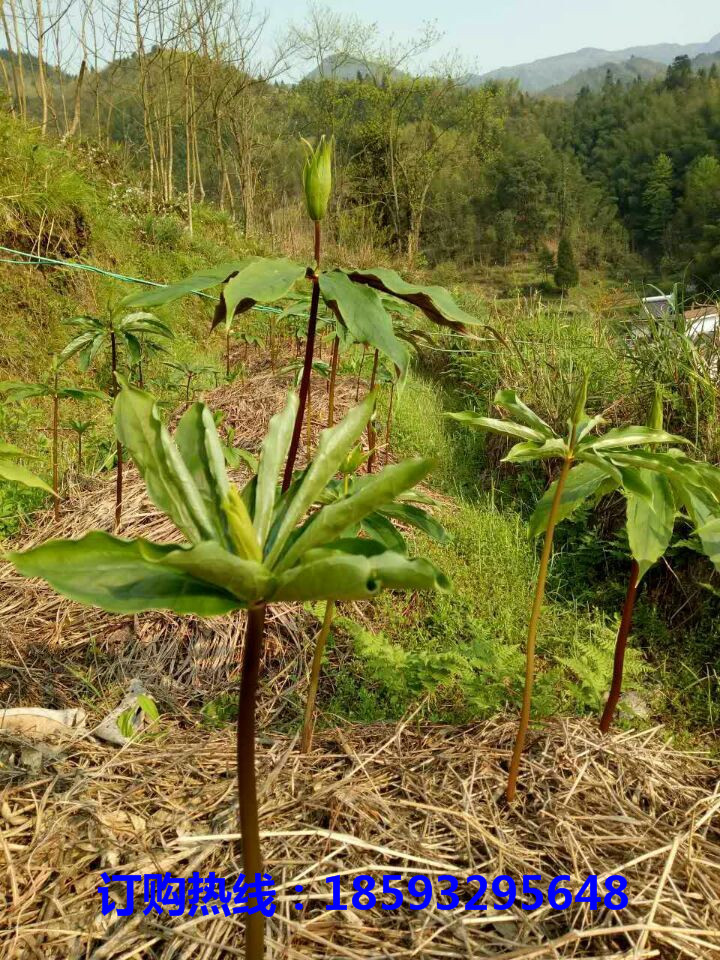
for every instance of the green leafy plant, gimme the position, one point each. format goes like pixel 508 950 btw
pixel 119 330
pixel 52 389
pixel 79 428
pixel 246 549
pixel 657 487
pixel 189 371
pixel 598 461
pixel 356 298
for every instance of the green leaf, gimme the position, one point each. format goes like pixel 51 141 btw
pixel 354 577
pixel 272 456
pixel 509 400
pixel 168 480
pixel 360 309
pixel 18 474
pixel 650 522
pixel 258 281
pixel 582 482
pixel 709 534
pixel 629 437
pixel 75 393
pixel 149 297
pixel 420 519
pixel 148 707
pixel 383 532
pixel 76 345
pixel 199 445
pixel 248 580
pixel 332 520
pixel 435 302
pixel 532 450
pixel 9 450
pixel 121 576
pixel 23 391
pixel 333 446
pixel 507 427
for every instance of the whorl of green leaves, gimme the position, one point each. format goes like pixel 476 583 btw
pixel 244 547
pixel 657 485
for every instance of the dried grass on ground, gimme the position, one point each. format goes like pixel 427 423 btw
pixel 403 799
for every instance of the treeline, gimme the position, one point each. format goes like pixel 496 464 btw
pixel 426 166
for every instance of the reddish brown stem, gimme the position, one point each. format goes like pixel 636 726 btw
pixel 307 367
pixel 246 782
pixel 620 648
pixel 56 481
pixel 372 436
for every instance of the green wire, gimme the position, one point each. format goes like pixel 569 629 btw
pixel 35 258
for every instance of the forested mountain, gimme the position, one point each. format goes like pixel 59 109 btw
pixel 427 167
pixel 540 74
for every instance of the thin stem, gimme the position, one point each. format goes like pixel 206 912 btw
pixel 308 418
pixel 333 377
pixel 357 382
pixel 79 464
pixel 620 648
pixel 246 783
pixel 372 436
pixel 388 426
pixel 227 353
pixel 532 633
pixel 307 367
pixel 309 718
pixel 119 449
pixel 56 482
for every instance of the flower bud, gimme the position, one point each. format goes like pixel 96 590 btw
pixel 317 177
pixel 655 420
pixel 580 400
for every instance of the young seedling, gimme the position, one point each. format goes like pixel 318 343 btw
pixel 580 446
pixel 119 330
pixel 245 550
pixel 52 389
pixel 189 372
pixel 79 428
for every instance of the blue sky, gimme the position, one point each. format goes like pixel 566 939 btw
pixel 503 32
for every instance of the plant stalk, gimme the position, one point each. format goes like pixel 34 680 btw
pixel 620 648
pixel 56 482
pixel 79 462
pixel 246 783
pixel 372 436
pixel 227 353
pixel 357 382
pixel 119 450
pixel 307 366
pixel 309 718
pixel 388 425
pixel 333 377
pixel 532 633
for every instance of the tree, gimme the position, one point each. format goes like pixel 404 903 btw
pixel 546 261
pixel 244 550
pixel 658 200
pixel 566 271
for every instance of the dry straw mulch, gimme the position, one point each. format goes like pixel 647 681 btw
pixel 404 799
pixel 370 800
